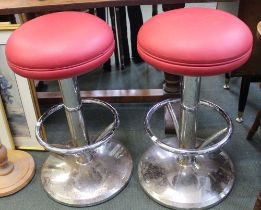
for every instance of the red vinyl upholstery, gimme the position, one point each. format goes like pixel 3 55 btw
pixel 59 45
pixel 195 42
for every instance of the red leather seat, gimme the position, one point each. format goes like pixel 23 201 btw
pixel 195 42
pixel 59 45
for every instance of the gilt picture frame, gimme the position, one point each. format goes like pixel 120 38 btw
pixel 5 137
pixel 20 109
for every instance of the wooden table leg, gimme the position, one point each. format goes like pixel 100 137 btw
pixel 172 87
pixel 245 83
pixel 227 80
pixel 255 126
pixel 258 202
pixel 118 11
pixel 113 26
pixel 154 10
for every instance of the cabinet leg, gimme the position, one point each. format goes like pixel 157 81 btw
pixel 245 83
pixel 255 126
pixel 227 80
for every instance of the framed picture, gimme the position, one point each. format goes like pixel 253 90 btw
pixel 5 137
pixel 19 107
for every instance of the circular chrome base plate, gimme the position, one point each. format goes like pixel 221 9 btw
pixel 202 184
pixel 72 183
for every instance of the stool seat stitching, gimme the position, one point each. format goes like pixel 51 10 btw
pixel 62 68
pixel 195 64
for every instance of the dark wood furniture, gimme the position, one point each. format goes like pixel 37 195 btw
pixel 255 126
pixel 257 122
pixel 249 12
pixel 26 6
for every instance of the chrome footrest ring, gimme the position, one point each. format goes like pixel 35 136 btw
pixel 188 152
pixel 70 151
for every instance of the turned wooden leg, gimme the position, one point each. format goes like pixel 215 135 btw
pixel 172 87
pixel 17 168
pixel 255 126
pixel 171 83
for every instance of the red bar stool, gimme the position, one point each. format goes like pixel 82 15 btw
pixel 186 172
pixel 61 46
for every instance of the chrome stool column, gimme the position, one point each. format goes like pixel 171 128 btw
pixel 186 172
pixel 86 172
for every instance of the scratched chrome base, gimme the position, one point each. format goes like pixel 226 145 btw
pixel 73 182
pixel 201 184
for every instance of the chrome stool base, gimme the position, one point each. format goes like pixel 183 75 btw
pixel 88 174
pixel 201 184
pixel 70 182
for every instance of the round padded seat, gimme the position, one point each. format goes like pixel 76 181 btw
pixel 59 45
pixel 195 42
